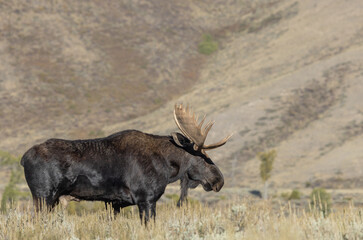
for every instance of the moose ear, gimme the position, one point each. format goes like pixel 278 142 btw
pixel 179 139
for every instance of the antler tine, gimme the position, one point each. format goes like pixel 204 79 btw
pixel 187 122
pixel 218 144
pixel 179 108
pixel 196 118
pixel 201 122
pixel 191 114
pixel 208 127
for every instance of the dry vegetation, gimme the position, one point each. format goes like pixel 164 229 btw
pixel 238 219
pixel 279 73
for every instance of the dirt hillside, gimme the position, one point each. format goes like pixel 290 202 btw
pixel 287 75
pixel 295 84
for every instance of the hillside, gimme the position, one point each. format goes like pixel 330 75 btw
pixel 294 85
pixel 287 75
pixel 69 68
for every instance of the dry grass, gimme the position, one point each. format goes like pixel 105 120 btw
pixel 235 220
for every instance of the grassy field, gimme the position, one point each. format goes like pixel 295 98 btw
pixel 237 219
pixel 228 216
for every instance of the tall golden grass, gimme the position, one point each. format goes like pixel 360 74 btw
pixel 237 219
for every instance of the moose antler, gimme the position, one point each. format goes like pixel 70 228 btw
pixel 187 122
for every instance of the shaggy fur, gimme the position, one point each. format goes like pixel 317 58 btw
pixel 126 168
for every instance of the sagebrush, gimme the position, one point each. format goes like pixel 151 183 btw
pixel 238 219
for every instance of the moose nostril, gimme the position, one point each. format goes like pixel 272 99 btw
pixel 217 187
pixel 220 185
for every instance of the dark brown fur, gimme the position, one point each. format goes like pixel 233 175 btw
pixel 126 168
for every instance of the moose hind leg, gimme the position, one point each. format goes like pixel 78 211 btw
pixel 37 203
pixel 146 209
pixel 153 210
pixel 51 202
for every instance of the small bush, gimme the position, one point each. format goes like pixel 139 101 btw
pixel 267 159
pixel 239 219
pixel 285 195
pixel 295 194
pixel 320 200
pixel 7 159
pixel 208 45
pixel 11 192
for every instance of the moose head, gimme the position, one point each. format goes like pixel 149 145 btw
pixel 202 170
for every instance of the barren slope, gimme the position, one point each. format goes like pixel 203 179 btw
pixel 288 75
pixel 295 85
pixel 70 67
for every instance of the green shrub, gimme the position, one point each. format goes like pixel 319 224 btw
pixel 320 200
pixel 9 196
pixel 308 184
pixel 285 195
pixel 267 159
pixel 295 194
pixel 11 192
pixel 208 45
pixel 8 159
pixel 222 197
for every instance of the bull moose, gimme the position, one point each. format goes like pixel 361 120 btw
pixel 126 168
